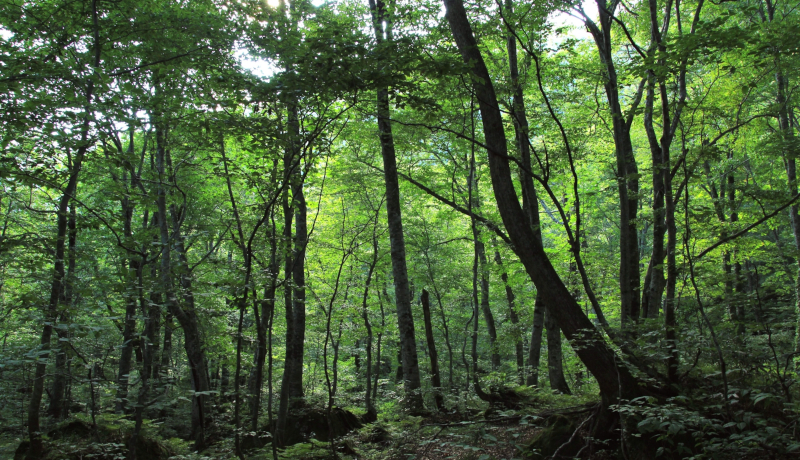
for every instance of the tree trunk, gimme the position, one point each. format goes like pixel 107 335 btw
pixel 655 288
pixel 262 323
pixel 613 377
pixel 186 315
pixel 378 346
pixel 294 298
pixel 405 319
pixel 436 380
pixel 131 303
pixel 445 327
pixel 512 315
pixel 790 163
pixel 627 170
pixel 535 350
pixel 59 405
pixel 372 413
pixel 35 450
pixel 485 306
pixel 555 366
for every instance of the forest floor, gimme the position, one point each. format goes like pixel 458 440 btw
pixel 547 424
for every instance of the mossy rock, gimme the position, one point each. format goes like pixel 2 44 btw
pixel 558 430
pixel 251 441
pixel 312 423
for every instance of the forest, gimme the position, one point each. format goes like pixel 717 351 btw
pixel 399 229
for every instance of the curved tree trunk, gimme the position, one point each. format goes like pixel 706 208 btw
pixel 613 377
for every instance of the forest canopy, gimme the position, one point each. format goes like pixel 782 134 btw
pixel 399 229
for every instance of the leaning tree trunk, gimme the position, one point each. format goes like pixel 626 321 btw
pixel 614 379
pixel 405 320
pixel 530 200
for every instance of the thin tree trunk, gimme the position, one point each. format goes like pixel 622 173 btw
pixel 627 170
pixel 485 306
pixel 285 394
pixel 445 327
pixel 480 251
pixel 535 350
pixel 512 315
pixel 372 413
pixel 378 347
pixel 405 321
pixel 59 405
pixel 149 350
pixel 555 358
pixel 131 303
pixel 35 450
pixel 263 324
pixel 436 379
pixel 655 280
pixel 475 315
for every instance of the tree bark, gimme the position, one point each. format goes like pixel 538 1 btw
pixel 555 368
pixel 35 450
pixel 372 413
pixel 436 379
pixel 613 377
pixel 405 319
pixel 535 350
pixel 512 315
pixel 131 303
pixel 59 405
pixel 627 169
pixel 294 295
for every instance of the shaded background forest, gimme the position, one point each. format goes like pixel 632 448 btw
pixel 222 221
